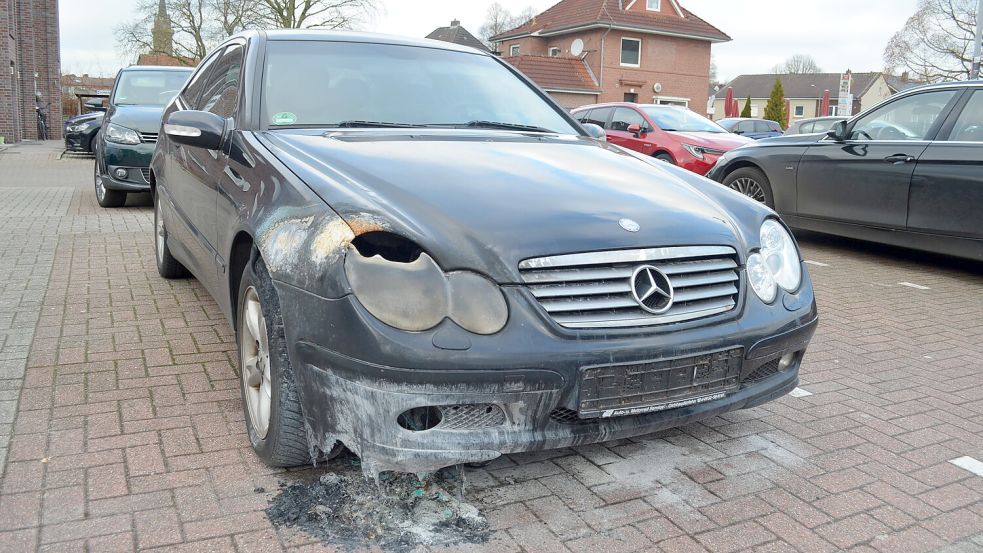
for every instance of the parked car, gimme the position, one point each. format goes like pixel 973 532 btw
pixel 814 125
pixel 669 133
pixel 129 130
pixel 80 131
pixel 453 269
pixel 906 172
pixel 751 128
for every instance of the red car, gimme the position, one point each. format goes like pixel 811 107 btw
pixel 671 133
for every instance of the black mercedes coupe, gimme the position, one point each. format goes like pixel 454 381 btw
pixel 907 172
pixel 428 261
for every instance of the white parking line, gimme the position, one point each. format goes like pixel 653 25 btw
pixel 816 263
pixel 970 464
pixel 915 286
pixel 799 392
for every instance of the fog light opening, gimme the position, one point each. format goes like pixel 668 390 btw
pixel 419 419
pixel 786 361
pixel 120 173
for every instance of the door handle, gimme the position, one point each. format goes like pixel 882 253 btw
pixel 898 159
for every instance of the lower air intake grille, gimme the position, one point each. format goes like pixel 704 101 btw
pixel 594 290
pixel 461 417
pixel 762 372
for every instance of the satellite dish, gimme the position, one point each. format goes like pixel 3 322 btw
pixel 657 88
pixel 577 47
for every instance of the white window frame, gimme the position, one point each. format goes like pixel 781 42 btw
pixel 553 49
pixel 670 101
pixel 514 50
pixel 798 111
pixel 656 3
pixel 621 53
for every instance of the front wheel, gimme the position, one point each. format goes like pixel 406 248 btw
pixel 105 196
pixel 753 183
pixel 662 156
pixel 274 419
pixel 167 266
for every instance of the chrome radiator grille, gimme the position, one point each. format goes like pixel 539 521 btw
pixel 594 290
pixel 148 137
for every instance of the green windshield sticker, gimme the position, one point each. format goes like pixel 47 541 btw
pixel 284 118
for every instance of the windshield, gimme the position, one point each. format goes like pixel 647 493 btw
pixel 148 88
pixel 332 84
pixel 682 120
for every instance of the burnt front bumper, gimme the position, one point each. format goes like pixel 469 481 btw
pixel 524 387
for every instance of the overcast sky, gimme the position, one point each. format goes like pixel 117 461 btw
pixel 839 34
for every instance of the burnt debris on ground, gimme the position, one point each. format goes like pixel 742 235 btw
pixel 399 512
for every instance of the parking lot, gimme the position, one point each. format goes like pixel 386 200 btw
pixel 121 426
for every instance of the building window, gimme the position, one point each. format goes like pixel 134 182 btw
pixel 800 111
pixel 554 52
pixel 514 50
pixel 631 97
pixel 653 5
pixel 671 101
pixel 631 52
pixel 832 111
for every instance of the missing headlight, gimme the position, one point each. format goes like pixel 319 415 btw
pixel 391 247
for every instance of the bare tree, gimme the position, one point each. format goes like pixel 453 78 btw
pixel 936 42
pixel 499 19
pixel 198 25
pixel 324 14
pixel 797 64
pixel 236 15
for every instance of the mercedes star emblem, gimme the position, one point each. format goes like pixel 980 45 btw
pixel 629 225
pixel 651 289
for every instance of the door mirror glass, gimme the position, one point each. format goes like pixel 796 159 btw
pixel 595 131
pixel 838 131
pixel 199 129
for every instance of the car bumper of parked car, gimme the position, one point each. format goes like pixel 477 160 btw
pixel 78 142
pixel 698 166
pixel 419 401
pixel 134 160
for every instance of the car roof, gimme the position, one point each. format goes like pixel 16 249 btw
pixel 623 105
pixel 316 35
pixel 158 68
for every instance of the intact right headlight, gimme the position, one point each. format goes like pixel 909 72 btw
pixel 418 295
pixel 121 135
pixel 776 264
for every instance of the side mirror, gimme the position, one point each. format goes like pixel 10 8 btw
pixel 95 105
pixel 200 129
pixel 635 129
pixel 838 131
pixel 738 132
pixel 595 131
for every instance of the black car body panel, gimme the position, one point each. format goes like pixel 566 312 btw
pixel 81 130
pixel 921 192
pixel 480 201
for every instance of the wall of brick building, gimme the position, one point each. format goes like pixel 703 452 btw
pixel 33 50
pixel 681 65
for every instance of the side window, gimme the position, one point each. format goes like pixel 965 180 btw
pixel 222 91
pixel 600 117
pixel 626 117
pixel 192 92
pixel 909 118
pixel 762 126
pixel 745 127
pixel 969 125
pixel 582 116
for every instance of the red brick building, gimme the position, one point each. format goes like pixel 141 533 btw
pixel 587 51
pixel 29 66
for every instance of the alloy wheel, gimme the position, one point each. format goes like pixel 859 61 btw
pixel 100 186
pixel 161 235
pixel 749 187
pixel 254 353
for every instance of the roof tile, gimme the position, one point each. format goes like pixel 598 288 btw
pixel 552 73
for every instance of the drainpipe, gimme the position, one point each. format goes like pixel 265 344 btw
pixel 604 39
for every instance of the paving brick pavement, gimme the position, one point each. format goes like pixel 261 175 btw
pixel 121 428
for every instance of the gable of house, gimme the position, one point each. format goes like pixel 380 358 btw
pixel 457 34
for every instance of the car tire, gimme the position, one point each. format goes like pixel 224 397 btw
pixel 167 266
pixel 105 196
pixel 283 441
pixel 753 183
pixel 662 156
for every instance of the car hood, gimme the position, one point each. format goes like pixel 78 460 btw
pixel 485 201
pixel 84 118
pixel 139 118
pixel 715 140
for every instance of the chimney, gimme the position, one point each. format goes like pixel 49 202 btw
pixel 455 23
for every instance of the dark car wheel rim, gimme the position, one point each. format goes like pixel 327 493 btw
pixel 100 186
pixel 254 353
pixel 750 188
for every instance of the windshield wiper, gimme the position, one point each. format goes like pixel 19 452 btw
pixel 354 124
pixel 507 126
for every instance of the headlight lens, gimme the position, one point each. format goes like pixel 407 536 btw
pixel 776 265
pixel 121 135
pixel 695 151
pixel 417 295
